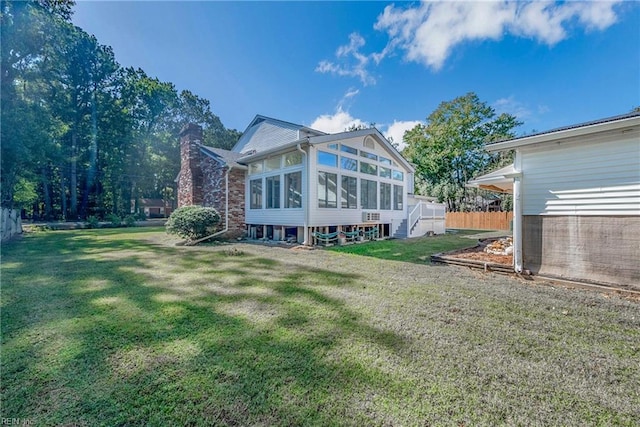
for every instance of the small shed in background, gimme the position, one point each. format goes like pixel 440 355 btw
pixel 153 208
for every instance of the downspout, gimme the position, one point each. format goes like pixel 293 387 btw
pixel 226 199
pixel 306 199
pixel 226 213
pixel 517 217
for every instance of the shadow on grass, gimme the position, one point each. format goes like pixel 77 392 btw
pixel 105 327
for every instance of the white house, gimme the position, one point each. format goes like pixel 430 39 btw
pixel 576 200
pixel 305 185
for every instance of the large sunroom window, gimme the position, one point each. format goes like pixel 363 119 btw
pixel 349 197
pixel 385 196
pixel 273 192
pixel 368 194
pixel 255 194
pixel 398 195
pixel 327 190
pixel 293 188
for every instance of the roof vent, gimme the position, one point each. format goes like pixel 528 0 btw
pixel 369 142
pixel 249 152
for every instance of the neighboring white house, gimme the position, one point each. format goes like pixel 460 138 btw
pixel 576 200
pixel 301 183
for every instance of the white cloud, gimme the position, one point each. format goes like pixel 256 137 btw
pixel 353 63
pixel 337 122
pixel 355 43
pixel 350 93
pixel 397 129
pixel 428 32
pixel 340 120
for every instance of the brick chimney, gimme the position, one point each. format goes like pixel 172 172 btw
pixel 190 179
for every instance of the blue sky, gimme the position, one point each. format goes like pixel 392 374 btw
pixel 332 64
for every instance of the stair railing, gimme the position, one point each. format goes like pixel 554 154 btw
pixel 424 210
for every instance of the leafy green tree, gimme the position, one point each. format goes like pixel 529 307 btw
pixel 153 160
pixel 449 149
pixel 193 109
pixel 28 32
pixel 80 132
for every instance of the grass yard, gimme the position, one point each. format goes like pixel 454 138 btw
pixel 122 328
pixel 418 250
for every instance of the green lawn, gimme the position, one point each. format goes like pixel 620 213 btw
pixel 417 250
pixel 121 328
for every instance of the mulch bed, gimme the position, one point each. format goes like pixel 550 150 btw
pixel 477 253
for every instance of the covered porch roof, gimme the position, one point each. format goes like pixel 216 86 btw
pixel 500 180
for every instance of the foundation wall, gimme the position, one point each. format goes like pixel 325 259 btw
pixel 597 249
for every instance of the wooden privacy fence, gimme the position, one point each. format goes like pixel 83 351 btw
pixel 479 220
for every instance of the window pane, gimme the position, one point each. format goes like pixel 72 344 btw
pixel 293 184
pixel 255 168
pixel 333 146
pixel 398 195
pixel 368 194
pixel 385 172
pixel 348 149
pixel 272 164
pixel 348 163
pixel 255 194
pixel 273 192
pixel 327 159
pixel 349 197
pixel 292 159
pixel 327 190
pixel 368 155
pixel 368 168
pixel 385 161
pixel 398 175
pixel 385 196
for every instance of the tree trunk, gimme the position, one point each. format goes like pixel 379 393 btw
pixel 46 194
pixel 63 197
pixel 73 179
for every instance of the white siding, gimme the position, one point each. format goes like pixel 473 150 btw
pixel 266 135
pixel 583 178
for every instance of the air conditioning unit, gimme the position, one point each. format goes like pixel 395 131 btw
pixel 370 216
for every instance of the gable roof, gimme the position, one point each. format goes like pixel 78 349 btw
pixel 364 132
pixel 266 133
pixel 324 138
pixel 581 129
pixel 224 157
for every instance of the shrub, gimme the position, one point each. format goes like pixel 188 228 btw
pixel 140 216
pixel 114 219
pixel 93 222
pixel 193 222
pixel 130 221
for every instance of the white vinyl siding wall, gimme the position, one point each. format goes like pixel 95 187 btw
pixel 582 178
pixel 265 135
